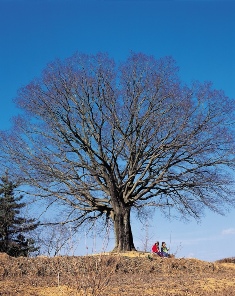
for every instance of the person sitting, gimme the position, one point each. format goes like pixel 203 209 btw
pixel 164 250
pixel 155 249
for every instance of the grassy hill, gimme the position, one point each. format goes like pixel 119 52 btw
pixel 132 273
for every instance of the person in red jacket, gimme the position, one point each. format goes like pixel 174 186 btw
pixel 155 249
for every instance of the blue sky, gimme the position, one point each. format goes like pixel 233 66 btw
pixel 200 35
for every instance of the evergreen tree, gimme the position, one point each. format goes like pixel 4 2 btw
pixel 12 225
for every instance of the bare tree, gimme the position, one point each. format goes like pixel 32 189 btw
pixel 103 139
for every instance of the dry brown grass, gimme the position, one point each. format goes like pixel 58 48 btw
pixel 132 273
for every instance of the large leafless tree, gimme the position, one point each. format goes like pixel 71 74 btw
pixel 104 138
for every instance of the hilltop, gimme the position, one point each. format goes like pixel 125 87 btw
pixel 132 273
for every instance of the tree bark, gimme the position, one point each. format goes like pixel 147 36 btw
pixel 122 229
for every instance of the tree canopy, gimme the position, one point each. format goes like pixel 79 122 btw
pixel 103 138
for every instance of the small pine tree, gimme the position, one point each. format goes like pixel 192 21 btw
pixel 12 225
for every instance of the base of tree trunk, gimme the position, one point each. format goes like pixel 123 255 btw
pixel 117 250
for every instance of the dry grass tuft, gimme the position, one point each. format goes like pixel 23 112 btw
pixel 227 260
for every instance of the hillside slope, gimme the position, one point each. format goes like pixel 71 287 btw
pixel 114 274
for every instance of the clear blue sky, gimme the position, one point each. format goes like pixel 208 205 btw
pixel 200 35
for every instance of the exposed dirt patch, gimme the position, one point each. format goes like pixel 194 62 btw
pixel 115 274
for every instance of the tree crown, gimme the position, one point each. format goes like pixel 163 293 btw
pixel 96 134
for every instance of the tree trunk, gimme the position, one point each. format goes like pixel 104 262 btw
pixel 122 229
